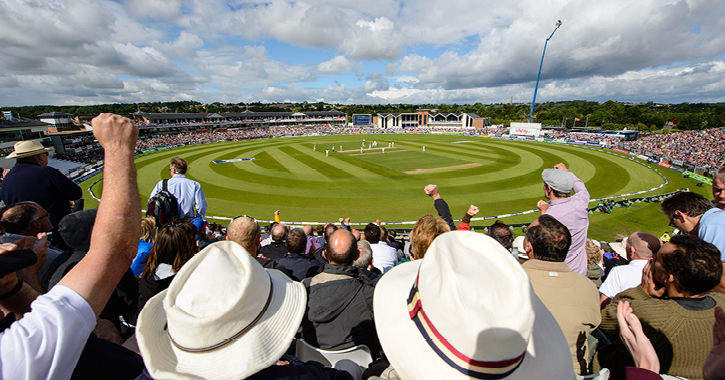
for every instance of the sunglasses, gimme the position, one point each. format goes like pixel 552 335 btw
pixel 47 214
pixel 672 220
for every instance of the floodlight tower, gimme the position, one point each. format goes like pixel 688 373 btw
pixel 558 24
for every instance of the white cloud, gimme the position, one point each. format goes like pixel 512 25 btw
pixel 154 9
pixel 336 65
pixel 371 40
pixel 184 46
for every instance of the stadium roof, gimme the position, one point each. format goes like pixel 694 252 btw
pixel 54 114
pixel 245 114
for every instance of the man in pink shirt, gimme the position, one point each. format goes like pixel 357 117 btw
pixel 570 210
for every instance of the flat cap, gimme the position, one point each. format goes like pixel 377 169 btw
pixel 558 179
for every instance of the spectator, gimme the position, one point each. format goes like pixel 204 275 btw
pixel 594 258
pixel 570 210
pixel 148 234
pixel 30 219
pixel 675 305
pixel 188 193
pixel 174 246
pixel 569 296
pixel 340 301
pixel 299 264
pixel 245 231
pixel 467 302
pixel 320 230
pixel 48 341
pixel 365 261
pixel 500 232
pixel 384 256
pixel 426 229
pixel 695 215
pixel 312 243
pixel 276 249
pixel 640 247
pixel 320 253
pixel 32 180
pixel 718 188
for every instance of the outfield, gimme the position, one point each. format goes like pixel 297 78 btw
pixel 499 176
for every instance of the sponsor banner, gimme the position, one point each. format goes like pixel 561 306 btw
pixel 621 150
pixel 522 131
pixel 652 160
pixel 593 143
pixel 643 157
pixel 664 165
pixel 648 153
pixel 678 162
pixel 679 170
pixel 529 138
pixel 234 160
pixel 578 142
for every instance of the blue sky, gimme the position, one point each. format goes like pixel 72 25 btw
pixel 370 51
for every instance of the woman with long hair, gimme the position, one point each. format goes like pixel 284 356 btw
pixel 174 245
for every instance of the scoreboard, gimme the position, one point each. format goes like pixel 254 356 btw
pixel 362 119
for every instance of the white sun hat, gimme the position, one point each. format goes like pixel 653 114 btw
pixel 28 148
pixel 222 317
pixel 467 310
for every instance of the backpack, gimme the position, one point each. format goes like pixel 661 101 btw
pixel 163 206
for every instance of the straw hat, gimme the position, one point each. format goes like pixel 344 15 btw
pixel 467 310
pixel 620 248
pixel 28 148
pixel 222 317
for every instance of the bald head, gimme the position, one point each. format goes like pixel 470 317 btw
pixel 245 231
pixel 279 232
pixel 342 248
pixel 642 246
pixel 308 230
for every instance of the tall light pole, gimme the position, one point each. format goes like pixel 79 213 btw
pixel 531 114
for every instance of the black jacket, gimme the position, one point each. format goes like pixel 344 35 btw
pixel 339 311
pixel 274 250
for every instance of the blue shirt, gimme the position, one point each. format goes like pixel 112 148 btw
pixel 188 193
pixel 144 248
pixel 712 229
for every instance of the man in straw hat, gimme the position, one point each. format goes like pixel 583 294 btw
pixel 47 341
pixel 467 311
pixel 31 179
pixel 224 317
pixel 570 210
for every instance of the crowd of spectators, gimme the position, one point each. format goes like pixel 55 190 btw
pixel 705 148
pixel 116 296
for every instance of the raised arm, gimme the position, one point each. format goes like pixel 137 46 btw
pixel 114 241
pixel 441 206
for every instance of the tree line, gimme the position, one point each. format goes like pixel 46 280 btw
pixel 609 115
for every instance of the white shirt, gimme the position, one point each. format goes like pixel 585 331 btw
pixel 47 342
pixel 623 277
pixel 384 256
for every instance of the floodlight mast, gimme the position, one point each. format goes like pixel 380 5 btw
pixel 531 114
